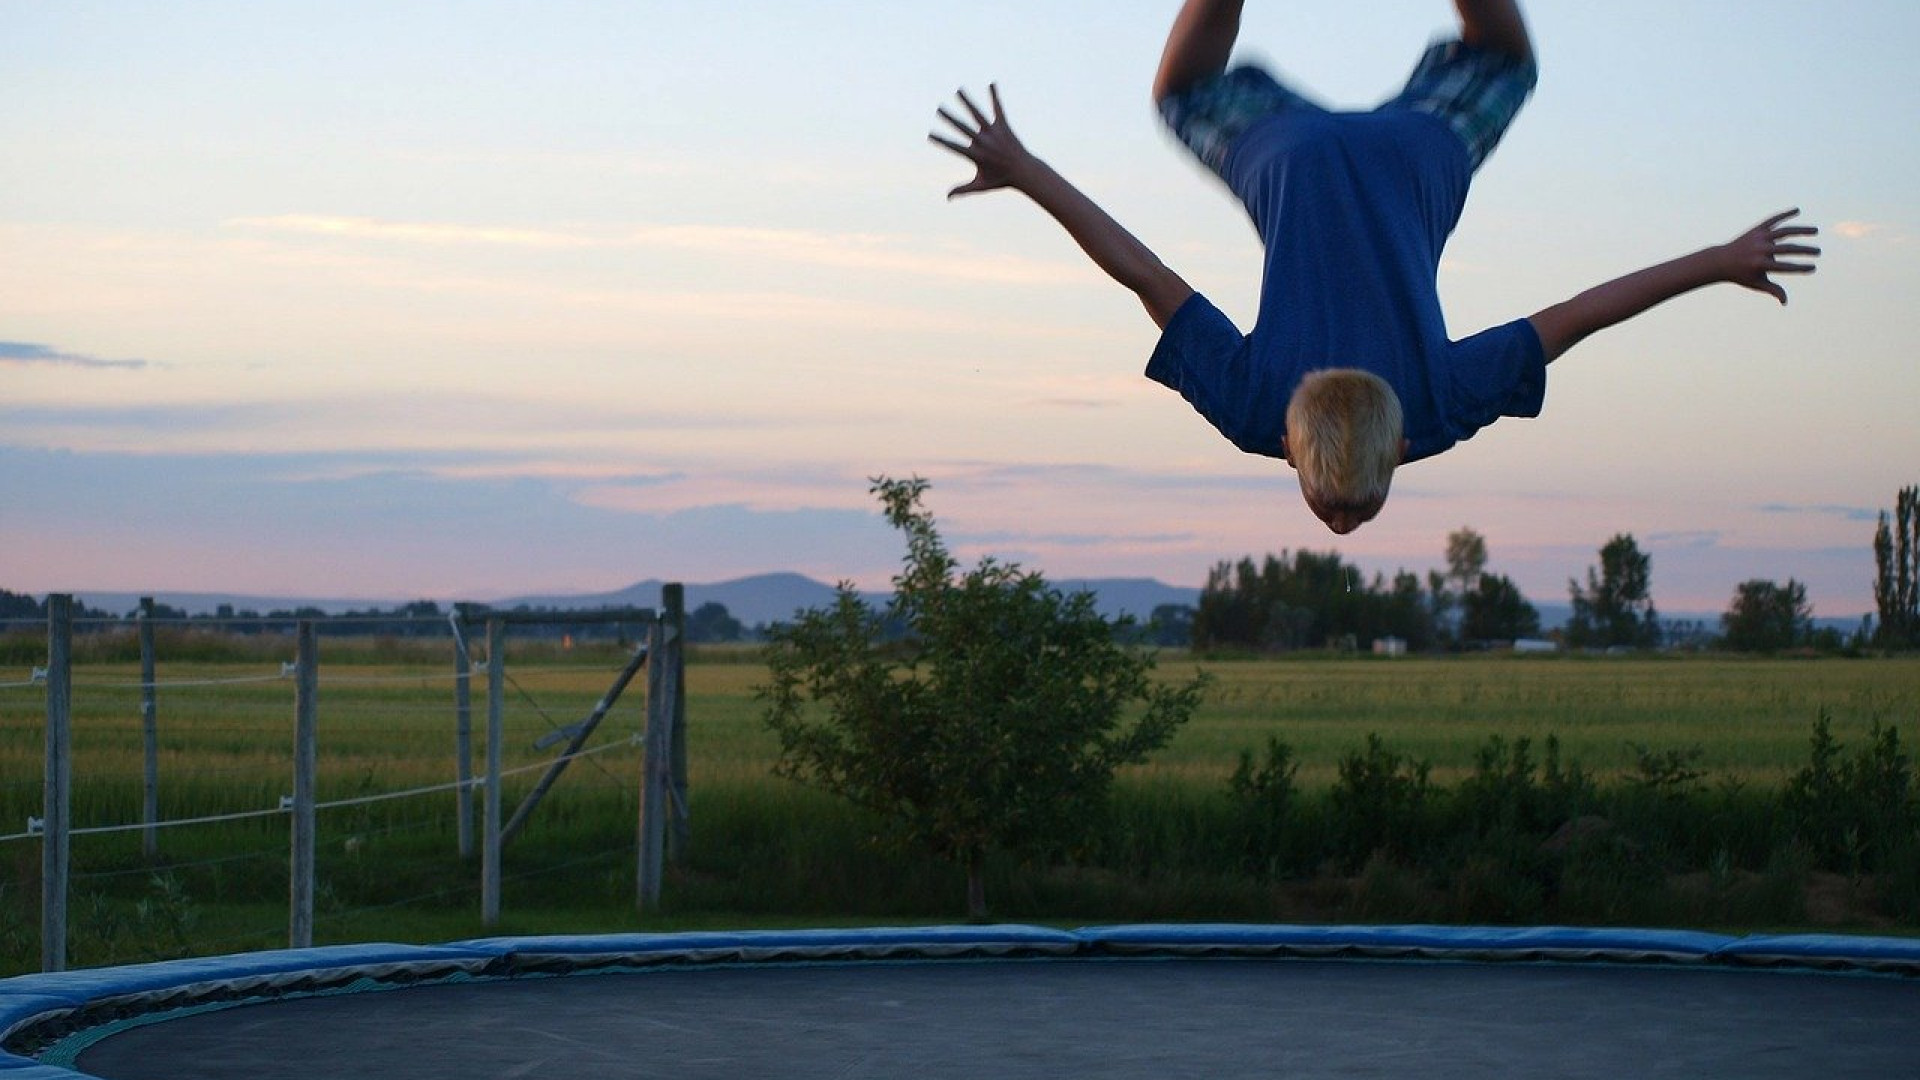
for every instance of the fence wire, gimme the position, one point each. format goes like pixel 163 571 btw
pixel 211 867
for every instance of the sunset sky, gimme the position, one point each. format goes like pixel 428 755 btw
pixel 399 300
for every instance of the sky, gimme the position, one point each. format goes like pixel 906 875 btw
pixel 458 301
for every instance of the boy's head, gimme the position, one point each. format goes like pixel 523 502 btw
pixel 1344 439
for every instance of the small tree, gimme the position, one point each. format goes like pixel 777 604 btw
pixel 996 724
pixel 1304 600
pixel 712 621
pixel 1896 581
pixel 19 606
pixel 1170 625
pixel 1767 617
pixel 1466 558
pixel 1495 610
pixel 1616 608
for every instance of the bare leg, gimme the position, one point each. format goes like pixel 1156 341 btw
pixel 1198 45
pixel 1496 25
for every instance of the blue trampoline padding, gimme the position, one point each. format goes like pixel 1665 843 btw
pixel 17 1009
pixel 1438 942
pixel 772 946
pixel 1826 951
pixel 92 984
pixel 27 998
pixel 33 999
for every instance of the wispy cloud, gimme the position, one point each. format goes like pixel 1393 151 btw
pixel 1691 538
pixel 416 232
pixel 1868 230
pixel 1845 513
pixel 850 251
pixel 23 352
pixel 995 476
pixel 567 433
pixel 1004 537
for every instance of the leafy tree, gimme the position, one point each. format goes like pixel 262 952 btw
pixel 1169 625
pixel 1495 610
pixel 996 724
pixel 1615 608
pixel 1304 600
pixel 1466 561
pixel 1404 613
pixel 1441 602
pixel 1766 617
pixel 15 605
pixel 1896 582
pixel 712 622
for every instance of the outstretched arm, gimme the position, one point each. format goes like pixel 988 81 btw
pixel 1496 25
pixel 1000 161
pixel 1748 260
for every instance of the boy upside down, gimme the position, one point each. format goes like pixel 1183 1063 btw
pixel 1349 370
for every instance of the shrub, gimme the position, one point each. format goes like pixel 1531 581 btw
pixel 1263 800
pixel 1854 814
pixel 1503 796
pixel 1379 804
pixel 995 726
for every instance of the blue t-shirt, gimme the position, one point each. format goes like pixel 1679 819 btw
pixel 1354 209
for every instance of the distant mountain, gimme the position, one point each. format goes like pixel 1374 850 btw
pixel 770 598
pixel 762 598
pixel 755 600
pixel 1137 597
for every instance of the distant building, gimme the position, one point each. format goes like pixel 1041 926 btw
pixel 1530 645
pixel 1389 646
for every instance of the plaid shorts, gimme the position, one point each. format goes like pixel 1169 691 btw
pixel 1475 92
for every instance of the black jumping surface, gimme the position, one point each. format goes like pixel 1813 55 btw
pixel 1045 1020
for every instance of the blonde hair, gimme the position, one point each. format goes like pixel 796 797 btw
pixel 1343 437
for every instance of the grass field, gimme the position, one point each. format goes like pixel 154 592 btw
pixel 1750 718
pixel 769 853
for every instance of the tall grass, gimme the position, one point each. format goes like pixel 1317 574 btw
pixel 1405 788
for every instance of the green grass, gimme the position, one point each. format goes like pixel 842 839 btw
pixel 768 853
pixel 1749 717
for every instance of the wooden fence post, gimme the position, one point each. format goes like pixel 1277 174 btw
pixel 150 735
pixel 463 732
pixel 654 772
pixel 674 601
pixel 56 794
pixel 306 692
pixel 490 800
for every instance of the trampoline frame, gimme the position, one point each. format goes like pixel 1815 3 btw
pixel 41 1011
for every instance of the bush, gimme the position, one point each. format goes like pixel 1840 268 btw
pixel 994 726
pixel 1263 801
pixel 1854 814
pixel 1503 797
pixel 1379 805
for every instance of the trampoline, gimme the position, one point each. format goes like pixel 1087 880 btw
pixel 930 1003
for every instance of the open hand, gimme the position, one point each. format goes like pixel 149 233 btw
pixel 1769 248
pixel 997 154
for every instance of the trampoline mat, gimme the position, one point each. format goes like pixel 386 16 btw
pixel 1046 1019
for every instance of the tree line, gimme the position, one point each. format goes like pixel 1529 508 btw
pixel 1315 600
pixel 417 619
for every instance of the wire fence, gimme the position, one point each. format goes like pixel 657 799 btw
pixel 321 780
